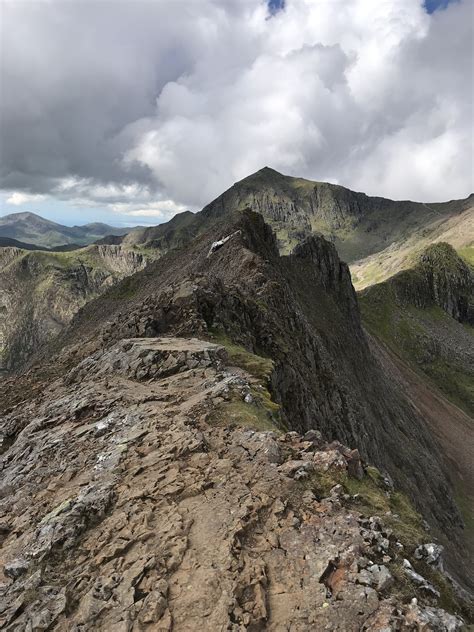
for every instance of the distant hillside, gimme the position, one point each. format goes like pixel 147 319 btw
pixel 426 316
pixel 32 229
pixel 8 242
pixel 41 290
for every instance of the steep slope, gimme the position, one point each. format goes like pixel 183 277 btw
pixel 423 320
pixel 456 230
pixel 377 236
pixel 139 492
pixel 33 229
pixel 426 315
pixel 301 312
pixel 40 291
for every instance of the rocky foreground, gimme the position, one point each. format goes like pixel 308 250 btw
pixel 151 488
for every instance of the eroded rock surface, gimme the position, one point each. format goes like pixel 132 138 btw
pixel 130 501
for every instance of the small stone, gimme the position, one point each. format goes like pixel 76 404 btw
pixel 290 468
pixel 300 474
pixel 363 562
pixel 377 576
pixel 16 568
pixel 337 491
pixel 314 436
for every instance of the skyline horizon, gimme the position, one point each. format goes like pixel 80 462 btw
pixel 101 215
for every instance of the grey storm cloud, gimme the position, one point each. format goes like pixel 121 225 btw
pixel 127 103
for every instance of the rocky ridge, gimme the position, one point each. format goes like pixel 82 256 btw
pixel 133 499
pixel 301 313
pixel 439 277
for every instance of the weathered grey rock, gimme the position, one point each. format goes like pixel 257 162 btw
pixel 419 579
pixel 433 619
pixel 430 553
pixel 377 576
pixel 16 568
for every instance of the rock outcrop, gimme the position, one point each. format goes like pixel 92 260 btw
pixel 137 496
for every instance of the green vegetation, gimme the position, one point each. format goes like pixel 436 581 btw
pixel 419 336
pixel 259 367
pixel 403 314
pixel 240 413
pixel 127 288
pixel 262 413
pixel 467 253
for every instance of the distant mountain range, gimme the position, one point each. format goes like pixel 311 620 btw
pixel 33 230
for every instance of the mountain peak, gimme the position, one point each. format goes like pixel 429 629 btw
pixel 22 216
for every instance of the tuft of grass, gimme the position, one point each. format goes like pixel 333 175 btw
pixel 467 253
pixel 259 367
pixel 239 413
pixel 263 413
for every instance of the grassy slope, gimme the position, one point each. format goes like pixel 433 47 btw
pixel 405 315
pixel 457 230
pixel 427 339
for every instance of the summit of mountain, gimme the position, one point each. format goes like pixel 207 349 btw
pixel 375 235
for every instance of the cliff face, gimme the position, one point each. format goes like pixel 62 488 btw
pixel 41 291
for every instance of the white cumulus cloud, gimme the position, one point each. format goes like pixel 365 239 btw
pixel 17 198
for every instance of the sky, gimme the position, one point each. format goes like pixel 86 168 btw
pixel 132 111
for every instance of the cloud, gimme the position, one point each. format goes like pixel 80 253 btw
pixel 17 198
pixel 164 209
pixel 158 102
